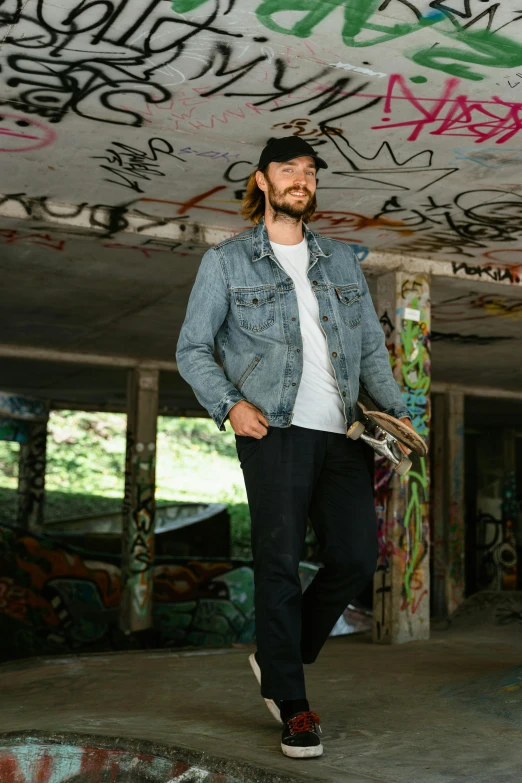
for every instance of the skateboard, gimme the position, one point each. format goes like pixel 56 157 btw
pixel 384 433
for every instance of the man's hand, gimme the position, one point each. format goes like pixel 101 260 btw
pixel 407 422
pixel 246 419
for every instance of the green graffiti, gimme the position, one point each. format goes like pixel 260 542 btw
pixel 317 11
pixel 484 47
pixel 415 380
pixel 416 384
pixel 357 14
pixel 488 48
pixel 186 6
pixel 418 484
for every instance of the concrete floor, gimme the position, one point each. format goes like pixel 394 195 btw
pixel 443 711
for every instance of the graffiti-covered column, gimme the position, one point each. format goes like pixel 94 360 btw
pixel 401 584
pixel 138 505
pixel 32 463
pixel 24 420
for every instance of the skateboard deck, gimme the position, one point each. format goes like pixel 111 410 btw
pixel 397 430
pixel 384 433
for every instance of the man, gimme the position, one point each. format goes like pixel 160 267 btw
pixel 289 315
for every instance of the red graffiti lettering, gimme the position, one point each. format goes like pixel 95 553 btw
pixel 451 113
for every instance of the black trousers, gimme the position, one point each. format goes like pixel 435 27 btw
pixel 291 474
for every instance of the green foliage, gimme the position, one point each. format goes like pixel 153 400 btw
pixel 8 462
pixel 85 468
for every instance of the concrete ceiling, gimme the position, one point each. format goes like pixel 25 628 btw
pixel 128 304
pixel 126 125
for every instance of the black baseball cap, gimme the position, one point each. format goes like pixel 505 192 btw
pixel 288 148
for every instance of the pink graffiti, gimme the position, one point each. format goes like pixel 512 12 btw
pixel 23 134
pixel 450 114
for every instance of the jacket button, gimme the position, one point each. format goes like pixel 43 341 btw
pixel 344 394
pixel 325 317
pixel 294 384
pixel 293 319
pixel 334 355
pixel 298 350
pixel 315 282
pixel 288 279
pixel 255 301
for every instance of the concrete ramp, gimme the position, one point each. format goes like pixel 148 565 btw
pixel 489 608
pixel 444 710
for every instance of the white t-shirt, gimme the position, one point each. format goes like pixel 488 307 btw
pixel 318 405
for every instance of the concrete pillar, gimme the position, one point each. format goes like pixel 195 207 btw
pixel 31 476
pixel 24 419
pixel 455 583
pixel 401 584
pixel 507 554
pixel 139 505
pixel 449 530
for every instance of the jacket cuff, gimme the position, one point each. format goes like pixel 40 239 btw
pixel 399 413
pixel 221 410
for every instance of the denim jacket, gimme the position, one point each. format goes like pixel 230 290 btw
pixel 241 338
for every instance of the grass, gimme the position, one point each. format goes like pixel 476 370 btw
pixel 85 462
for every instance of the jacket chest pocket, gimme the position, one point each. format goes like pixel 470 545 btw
pixel 255 307
pixel 349 298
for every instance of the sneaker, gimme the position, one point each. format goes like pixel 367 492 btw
pixel 301 736
pixel 272 705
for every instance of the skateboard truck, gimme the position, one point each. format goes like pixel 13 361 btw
pixel 384 433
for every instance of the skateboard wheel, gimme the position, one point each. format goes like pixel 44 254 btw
pixel 403 466
pixel 356 430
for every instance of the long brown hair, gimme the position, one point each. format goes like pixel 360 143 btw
pixel 253 203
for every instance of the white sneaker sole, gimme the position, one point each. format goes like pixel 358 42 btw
pixel 270 703
pixel 302 753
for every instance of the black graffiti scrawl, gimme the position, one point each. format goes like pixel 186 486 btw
pixel 88 58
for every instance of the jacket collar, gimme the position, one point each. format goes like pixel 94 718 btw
pixel 261 246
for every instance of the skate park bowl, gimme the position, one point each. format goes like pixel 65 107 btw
pixel 181 529
pixel 53 758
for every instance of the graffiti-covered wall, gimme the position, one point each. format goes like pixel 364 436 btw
pixel 55 598
pixel 161 108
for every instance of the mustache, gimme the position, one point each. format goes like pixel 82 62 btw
pixel 305 190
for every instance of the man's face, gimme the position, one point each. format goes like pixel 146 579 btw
pixel 290 186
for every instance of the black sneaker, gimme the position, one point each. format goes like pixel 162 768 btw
pixel 272 704
pixel 300 738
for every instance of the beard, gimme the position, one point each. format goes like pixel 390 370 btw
pixel 283 208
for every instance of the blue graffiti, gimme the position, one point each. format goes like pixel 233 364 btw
pixel 361 252
pixel 416 402
pixel 489 156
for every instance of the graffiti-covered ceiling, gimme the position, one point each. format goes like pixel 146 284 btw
pixel 162 107
pixel 137 123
